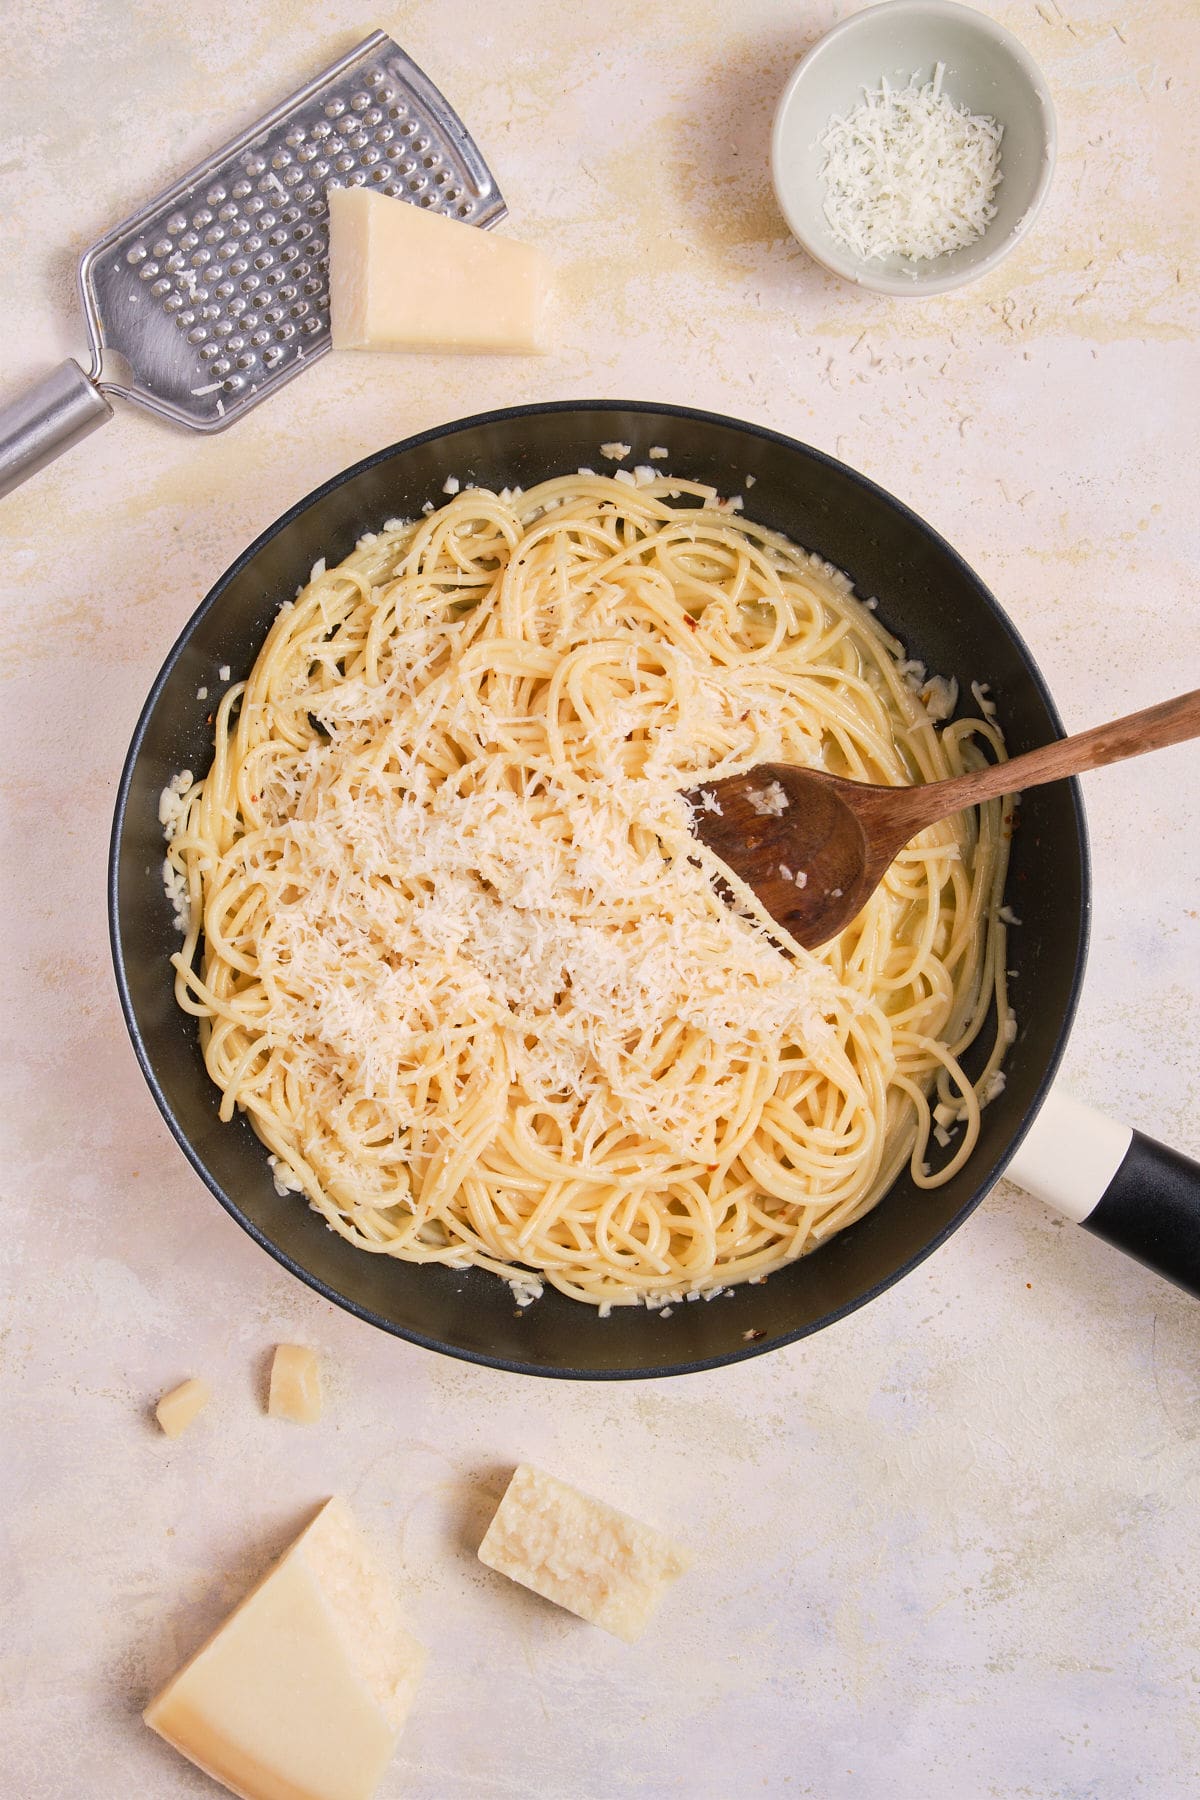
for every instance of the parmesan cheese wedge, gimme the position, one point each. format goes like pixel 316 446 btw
pixel 302 1692
pixel 403 278
pixel 597 1562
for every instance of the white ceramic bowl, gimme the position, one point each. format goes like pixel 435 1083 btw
pixel 986 70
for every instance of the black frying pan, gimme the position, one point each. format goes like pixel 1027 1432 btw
pixel 927 596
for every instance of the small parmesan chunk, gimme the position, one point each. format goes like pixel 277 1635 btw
pixel 303 1691
pixel 585 1556
pixel 176 1410
pixel 615 451
pixel 295 1385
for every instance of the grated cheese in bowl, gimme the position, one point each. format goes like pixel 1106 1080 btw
pixel 910 173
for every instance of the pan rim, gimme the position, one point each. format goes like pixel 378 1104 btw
pixel 986 1177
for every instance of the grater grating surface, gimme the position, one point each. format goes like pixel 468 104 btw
pixel 217 292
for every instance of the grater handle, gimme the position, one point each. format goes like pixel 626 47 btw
pixel 63 407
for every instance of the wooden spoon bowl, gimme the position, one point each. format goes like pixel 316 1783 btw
pixel 814 847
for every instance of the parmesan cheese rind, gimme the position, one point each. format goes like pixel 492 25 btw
pixel 580 1553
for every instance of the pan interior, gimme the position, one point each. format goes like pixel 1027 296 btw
pixel 932 601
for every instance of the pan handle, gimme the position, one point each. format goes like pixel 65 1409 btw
pixel 63 407
pixel 1133 1192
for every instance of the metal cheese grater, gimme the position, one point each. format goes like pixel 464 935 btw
pixel 217 292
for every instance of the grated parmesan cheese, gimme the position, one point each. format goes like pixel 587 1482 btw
pixel 518 914
pixel 940 697
pixel 910 173
pixel 499 931
pixel 983 699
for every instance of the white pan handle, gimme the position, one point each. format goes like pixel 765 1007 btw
pixel 63 407
pixel 1135 1193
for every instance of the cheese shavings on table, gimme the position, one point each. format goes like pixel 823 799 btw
pixel 910 173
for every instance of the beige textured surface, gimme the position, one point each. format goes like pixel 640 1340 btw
pixel 950 1546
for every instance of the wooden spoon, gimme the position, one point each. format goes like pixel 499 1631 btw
pixel 815 861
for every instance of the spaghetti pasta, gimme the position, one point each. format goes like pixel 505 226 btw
pixel 457 955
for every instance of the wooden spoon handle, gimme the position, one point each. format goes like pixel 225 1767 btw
pixel 1171 722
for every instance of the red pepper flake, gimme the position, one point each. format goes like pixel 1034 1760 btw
pixel 688 620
